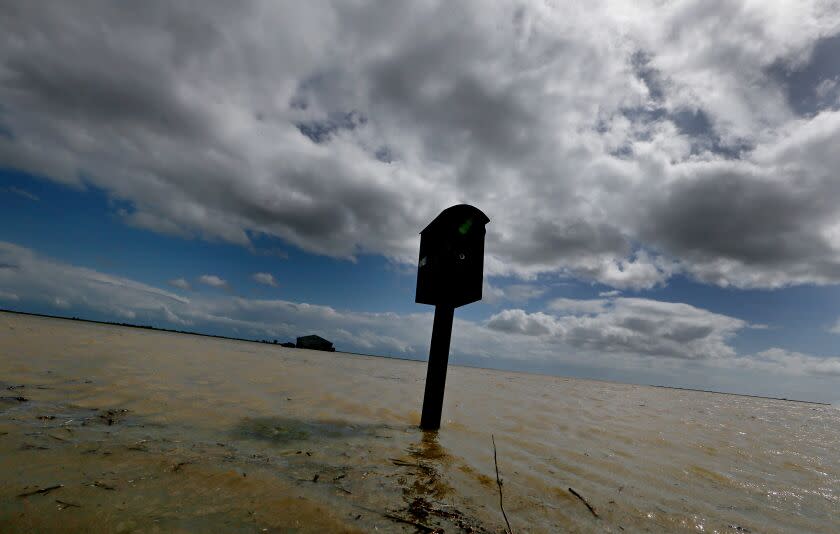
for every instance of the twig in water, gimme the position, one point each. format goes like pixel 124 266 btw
pixel 66 504
pixel 41 491
pixel 421 526
pixel 576 494
pixel 499 483
pixel 403 463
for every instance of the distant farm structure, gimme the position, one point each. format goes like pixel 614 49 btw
pixel 311 342
pixel 315 343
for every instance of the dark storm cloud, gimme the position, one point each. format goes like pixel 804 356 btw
pixel 743 217
pixel 775 227
pixel 104 92
pixel 76 64
pixel 457 103
pixel 175 169
pixel 345 128
pixel 550 241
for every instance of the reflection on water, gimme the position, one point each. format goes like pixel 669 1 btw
pixel 146 431
pixel 284 430
pixel 426 491
pixel 428 448
pixel 427 482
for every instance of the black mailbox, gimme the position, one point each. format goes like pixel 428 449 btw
pixel 451 267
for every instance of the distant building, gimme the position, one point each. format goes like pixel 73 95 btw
pixel 315 343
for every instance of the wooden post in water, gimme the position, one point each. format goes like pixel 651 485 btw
pixel 436 371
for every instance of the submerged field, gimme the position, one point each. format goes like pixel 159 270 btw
pixel 105 428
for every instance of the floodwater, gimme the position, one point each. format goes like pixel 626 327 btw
pixel 129 430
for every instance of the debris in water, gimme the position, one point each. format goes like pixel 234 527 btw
pixel 41 491
pixel 139 446
pixel 113 415
pixel 65 504
pixel 578 495
pixel 421 526
pixel 29 446
pixel 403 463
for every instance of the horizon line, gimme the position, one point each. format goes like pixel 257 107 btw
pixel 265 342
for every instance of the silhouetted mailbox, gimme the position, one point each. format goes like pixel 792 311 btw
pixel 451 267
pixel 450 273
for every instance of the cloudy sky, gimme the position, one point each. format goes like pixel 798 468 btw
pixel 661 177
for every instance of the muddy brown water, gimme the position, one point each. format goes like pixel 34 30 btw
pixel 112 429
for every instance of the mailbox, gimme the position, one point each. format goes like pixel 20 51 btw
pixel 451 267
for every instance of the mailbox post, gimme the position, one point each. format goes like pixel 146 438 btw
pixel 450 274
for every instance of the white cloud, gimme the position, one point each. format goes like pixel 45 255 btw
pixel 522 322
pixel 576 306
pixel 519 293
pixel 180 283
pixel 524 292
pixel 490 293
pixel 620 145
pixel 791 363
pixel 655 328
pixel 265 279
pixel 212 280
pixel 629 326
pixel 39 279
